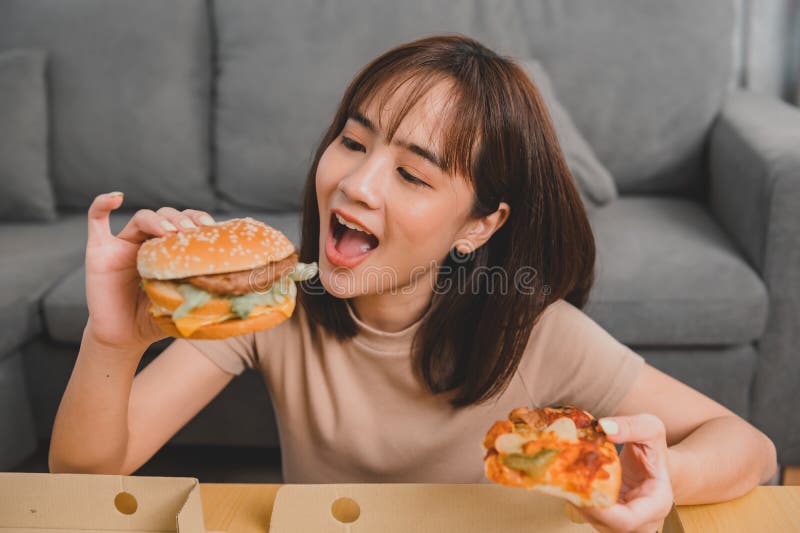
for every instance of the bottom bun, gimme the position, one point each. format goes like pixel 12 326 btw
pixel 221 330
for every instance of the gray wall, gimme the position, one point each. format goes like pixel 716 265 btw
pixel 768 55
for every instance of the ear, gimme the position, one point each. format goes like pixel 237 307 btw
pixel 478 230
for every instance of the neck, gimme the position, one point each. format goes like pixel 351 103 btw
pixel 392 312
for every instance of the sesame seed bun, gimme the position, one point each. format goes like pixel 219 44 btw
pixel 227 246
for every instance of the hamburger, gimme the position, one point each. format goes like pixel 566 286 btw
pixel 225 279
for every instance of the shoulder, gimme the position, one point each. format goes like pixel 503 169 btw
pixel 571 358
pixel 566 329
pixel 559 314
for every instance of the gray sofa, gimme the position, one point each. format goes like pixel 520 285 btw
pixel 218 105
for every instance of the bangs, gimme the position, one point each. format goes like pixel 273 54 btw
pixel 458 130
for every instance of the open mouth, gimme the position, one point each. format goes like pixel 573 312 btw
pixel 348 242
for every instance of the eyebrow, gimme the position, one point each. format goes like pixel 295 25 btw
pixel 411 147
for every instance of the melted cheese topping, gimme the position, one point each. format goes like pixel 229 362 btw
pixel 192 322
pixel 189 324
pixel 565 429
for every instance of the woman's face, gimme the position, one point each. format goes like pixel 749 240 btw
pixel 408 213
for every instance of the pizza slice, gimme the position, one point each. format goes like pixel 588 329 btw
pixel 561 451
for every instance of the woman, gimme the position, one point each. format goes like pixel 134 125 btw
pixel 454 258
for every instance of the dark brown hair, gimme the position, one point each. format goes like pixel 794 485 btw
pixel 471 341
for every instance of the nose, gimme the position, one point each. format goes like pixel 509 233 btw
pixel 365 184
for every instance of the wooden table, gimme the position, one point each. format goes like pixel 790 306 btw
pixel 247 508
pixel 763 509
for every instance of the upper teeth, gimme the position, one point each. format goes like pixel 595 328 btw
pixel 351 225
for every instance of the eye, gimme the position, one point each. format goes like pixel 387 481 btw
pixel 350 144
pixel 411 178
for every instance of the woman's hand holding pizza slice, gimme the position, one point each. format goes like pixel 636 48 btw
pixel 564 451
pixel 646 492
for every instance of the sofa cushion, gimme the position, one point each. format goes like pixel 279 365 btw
pixel 724 374
pixel 64 307
pixel 16 417
pixel 642 80
pixel 667 275
pixel 25 189
pixel 241 415
pixel 34 256
pixel 129 85
pixel 592 178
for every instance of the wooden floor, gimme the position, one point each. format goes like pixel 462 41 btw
pixel 209 464
pixel 791 475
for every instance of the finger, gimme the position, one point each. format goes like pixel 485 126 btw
pixel 145 224
pixel 99 227
pixel 177 218
pixel 630 516
pixel 201 218
pixel 637 428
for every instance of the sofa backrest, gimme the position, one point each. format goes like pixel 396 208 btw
pixel 128 95
pixel 642 80
pixel 130 85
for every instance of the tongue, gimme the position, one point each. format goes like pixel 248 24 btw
pixel 354 242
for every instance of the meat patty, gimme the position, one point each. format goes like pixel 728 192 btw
pixel 244 281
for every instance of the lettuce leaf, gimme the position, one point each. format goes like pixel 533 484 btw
pixel 303 271
pixel 277 294
pixel 192 298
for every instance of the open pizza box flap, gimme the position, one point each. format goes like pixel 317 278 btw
pixel 99 503
pixel 424 508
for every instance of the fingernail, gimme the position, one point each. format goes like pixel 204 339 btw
pixel 115 193
pixel 186 223
pixel 609 426
pixel 169 226
pixel 206 219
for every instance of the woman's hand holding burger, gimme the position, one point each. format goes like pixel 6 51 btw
pixel 118 308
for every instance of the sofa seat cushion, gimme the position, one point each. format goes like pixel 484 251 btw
pixel 34 256
pixel 64 307
pixel 667 275
pixel 241 415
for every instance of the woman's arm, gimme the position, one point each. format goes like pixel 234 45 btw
pixel 681 446
pixel 713 455
pixel 90 432
pixel 110 422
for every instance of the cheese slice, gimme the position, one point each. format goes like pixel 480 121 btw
pixel 286 308
pixel 192 322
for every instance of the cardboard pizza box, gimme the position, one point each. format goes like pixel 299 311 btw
pixel 425 508
pixel 36 503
